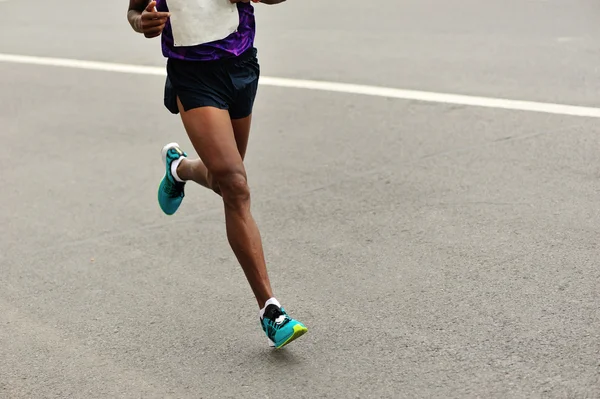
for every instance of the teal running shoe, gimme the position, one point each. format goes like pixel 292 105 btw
pixel 170 191
pixel 280 328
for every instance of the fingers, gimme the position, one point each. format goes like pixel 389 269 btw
pixel 150 12
pixel 156 15
pixel 153 27
pixel 151 23
pixel 153 32
pixel 151 6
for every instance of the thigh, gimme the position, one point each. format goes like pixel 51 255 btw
pixel 241 131
pixel 211 132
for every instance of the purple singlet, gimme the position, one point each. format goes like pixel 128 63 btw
pixel 232 46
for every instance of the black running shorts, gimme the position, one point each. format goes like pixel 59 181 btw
pixel 229 84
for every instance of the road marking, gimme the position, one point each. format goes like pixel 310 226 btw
pixel 387 92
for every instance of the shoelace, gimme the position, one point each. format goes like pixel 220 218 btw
pixel 273 315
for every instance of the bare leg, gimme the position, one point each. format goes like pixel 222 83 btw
pixel 241 131
pixel 212 135
pixel 195 170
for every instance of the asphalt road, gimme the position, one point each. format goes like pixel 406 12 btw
pixel 432 250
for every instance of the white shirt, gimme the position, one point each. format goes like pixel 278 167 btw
pixel 195 22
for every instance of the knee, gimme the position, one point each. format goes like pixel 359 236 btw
pixel 233 187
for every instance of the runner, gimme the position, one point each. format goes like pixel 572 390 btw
pixel 212 80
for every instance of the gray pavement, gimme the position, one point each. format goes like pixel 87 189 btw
pixel 432 250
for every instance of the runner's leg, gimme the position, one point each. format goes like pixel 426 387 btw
pixel 195 170
pixel 211 132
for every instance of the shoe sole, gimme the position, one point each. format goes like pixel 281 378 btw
pixel 298 332
pixel 163 154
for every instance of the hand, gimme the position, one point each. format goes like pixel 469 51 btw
pixel 153 22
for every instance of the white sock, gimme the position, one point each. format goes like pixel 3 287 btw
pixel 271 301
pixel 174 166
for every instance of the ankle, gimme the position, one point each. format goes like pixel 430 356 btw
pixel 177 169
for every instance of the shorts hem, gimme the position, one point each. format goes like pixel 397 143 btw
pixel 236 116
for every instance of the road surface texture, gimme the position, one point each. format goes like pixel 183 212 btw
pixel 433 250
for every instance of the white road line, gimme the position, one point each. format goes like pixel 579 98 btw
pixel 425 96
